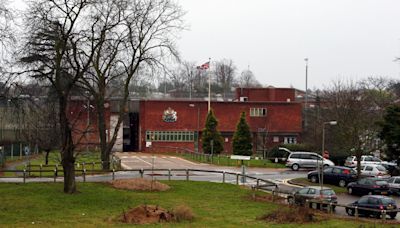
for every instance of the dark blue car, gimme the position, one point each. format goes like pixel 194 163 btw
pixel 337 175
pixel 373 202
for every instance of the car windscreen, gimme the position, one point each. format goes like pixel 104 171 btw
pixel 328 192
pixel 381 182
pixel 380 168
pixel 387 201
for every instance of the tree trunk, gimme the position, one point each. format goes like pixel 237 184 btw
pixel 105 153
pixel 358 157
pixel 67 150
pixel 47 156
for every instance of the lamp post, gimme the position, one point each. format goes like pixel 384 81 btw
pixel 332 123
pixel 306 96
pixel 198 125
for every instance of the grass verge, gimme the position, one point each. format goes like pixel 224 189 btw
pixel 99 205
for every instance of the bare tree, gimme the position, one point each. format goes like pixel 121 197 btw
pixel 129 35
pixel 247 79
pixel 56 33
pixel 6 18
pixel 350 104
pixel 225 72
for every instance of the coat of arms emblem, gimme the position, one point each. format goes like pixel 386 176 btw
pixel 169 115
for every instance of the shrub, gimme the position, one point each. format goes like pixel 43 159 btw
pixel 183 213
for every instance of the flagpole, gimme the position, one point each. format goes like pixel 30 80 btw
pixel 209 85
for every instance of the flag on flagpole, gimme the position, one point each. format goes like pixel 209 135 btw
pixel 204 66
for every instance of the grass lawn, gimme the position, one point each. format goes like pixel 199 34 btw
pixel 305 181
pixel 55 159
pixel 98 205
pixel 224 160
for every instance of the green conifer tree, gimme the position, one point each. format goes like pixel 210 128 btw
pixel 209 133
pixel 242 142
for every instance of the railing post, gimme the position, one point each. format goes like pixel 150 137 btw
pixel 187 174
pixel 113 174
pixel 141 171
pixel 83 165
pixel 273 195
pixel 330 208
pixel 223 177
pixel 24 174
pixel 169 174
pixel 258 183
pixel 356 211
pixel 40 171
pixel 84 175
pixel 55 175
pixel 237 178
pixel 383 213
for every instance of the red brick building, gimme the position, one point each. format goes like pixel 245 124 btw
pixel 163 125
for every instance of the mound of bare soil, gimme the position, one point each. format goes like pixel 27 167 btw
pixel 297 215
pixel 147 214
pixel 140 184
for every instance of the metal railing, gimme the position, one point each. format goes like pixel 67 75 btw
pixel 169 173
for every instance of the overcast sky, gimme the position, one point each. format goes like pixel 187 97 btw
pixel 343 39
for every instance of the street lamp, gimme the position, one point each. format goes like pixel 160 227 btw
pixel 198 125
pixel 332 123
pixel 306 96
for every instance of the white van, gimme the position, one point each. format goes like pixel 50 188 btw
pixel 297 160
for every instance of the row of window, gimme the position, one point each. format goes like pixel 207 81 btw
pixel 170 136
pixel 256 112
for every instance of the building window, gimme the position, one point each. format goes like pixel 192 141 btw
pixel 255 112
pixel 290 140
pixel 169 136
pixel 275 139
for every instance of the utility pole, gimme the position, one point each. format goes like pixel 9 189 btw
pixel 306 98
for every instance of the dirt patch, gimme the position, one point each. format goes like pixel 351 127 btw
pixel 151 214
pixel 140 184
pixel 147 214
pixel 297 215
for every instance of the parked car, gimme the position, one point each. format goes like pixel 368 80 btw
pixel 392 168
pixel 351 161
pixel 394 185
pixel 368 186
pixel 373 170
pixel 300 196
pixel 372 202
pixel 338 175
pixel 297 160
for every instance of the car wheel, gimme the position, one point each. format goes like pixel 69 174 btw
pixel 350 211
pixel 295 167
pixel 290 201
pixel 342 183
pixel 393 215
pixel 350 191
pixel 314 179
pixel 314 206
pixel 326 166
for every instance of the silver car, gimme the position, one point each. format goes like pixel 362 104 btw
pixel 297 160
pixel 394 185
